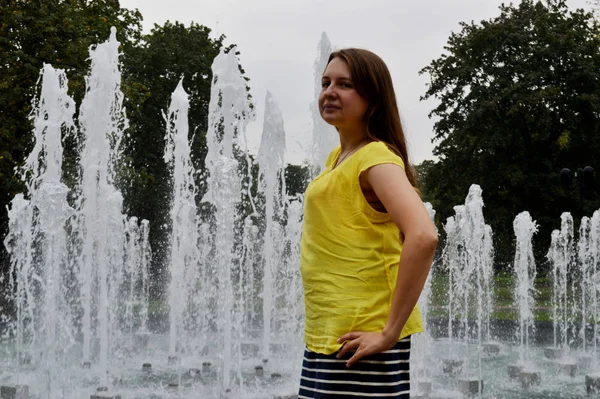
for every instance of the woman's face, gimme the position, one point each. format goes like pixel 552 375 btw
pixel 340 104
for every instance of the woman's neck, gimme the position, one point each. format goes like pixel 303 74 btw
pixel 352 138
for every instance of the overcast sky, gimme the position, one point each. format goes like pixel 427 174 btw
pixel 278 42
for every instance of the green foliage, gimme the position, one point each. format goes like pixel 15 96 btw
pixel 423 170
pixel 519 99
pixel 297 178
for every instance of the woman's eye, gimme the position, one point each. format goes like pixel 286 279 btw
pixel 324 84
pixel 346 85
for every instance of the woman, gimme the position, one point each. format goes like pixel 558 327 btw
pixel 361 213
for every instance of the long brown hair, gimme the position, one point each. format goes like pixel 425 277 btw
pixel 373 82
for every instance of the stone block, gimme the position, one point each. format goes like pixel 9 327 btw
pixel 514 370
pixel 491 349
pixel 206 367
pixel 592 384
pixel 569 369
pixel 14 392
pixel 424 387
pixel 470 387
pixel 276 348
pixel 553 353
pixel 25 358
pixel 530 378
pixel 140 340
pixel 250 349
pixel 452 366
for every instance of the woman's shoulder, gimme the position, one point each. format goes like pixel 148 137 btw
pixel 379 152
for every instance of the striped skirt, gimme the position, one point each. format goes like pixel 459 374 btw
pixel 384 375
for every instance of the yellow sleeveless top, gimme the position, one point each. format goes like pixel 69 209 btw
pixel 349 254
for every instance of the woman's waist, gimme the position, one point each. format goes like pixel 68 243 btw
pixel 323 328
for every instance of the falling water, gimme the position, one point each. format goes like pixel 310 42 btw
pixel 480 257
pixel 586 284
pixel 594 249
pixel 143 279
pixel 451 264
pixel 421 343
pixel 325 138
pixel 229 112
pixel 79 271
pixel 137 262
pixel 524 266
pixel 469 259
pixel 560 255
pixel 101 225
pixel 184 256
pixel 37 239
pixel 588 254
pixel 271 177
pixel 292 309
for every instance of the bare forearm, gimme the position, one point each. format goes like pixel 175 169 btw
pixel 415 262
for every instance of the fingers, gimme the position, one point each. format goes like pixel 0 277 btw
pixel 349 345
pixel 349 336
pixel 355 358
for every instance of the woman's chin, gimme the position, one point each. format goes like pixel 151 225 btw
pixel 330 119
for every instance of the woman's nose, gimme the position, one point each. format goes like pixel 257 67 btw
pixel 329 91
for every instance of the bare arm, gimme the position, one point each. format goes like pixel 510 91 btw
pixel 390 184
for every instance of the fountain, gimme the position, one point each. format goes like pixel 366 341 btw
pixel 562 257
pixel 81 283
pixel 421 384
pixel 79 267
pixel 325 138
pixel 589 254
pixel 184 256
pixel 468 255
pixel 525 270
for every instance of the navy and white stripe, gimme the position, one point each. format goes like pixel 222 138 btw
pixel 384 375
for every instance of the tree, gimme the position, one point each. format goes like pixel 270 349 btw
pixel 422 171
pixel 297 178
pixel 519 99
